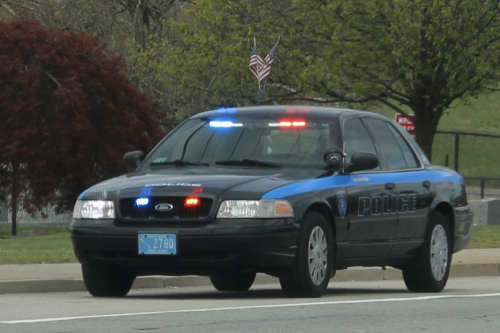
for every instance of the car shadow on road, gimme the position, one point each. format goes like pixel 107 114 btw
pixel 260 293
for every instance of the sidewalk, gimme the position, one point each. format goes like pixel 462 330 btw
pixel 39 278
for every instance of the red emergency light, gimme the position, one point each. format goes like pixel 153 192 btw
pixel 191 202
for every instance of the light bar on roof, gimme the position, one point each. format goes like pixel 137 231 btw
pixel 287 123
pixel 224 124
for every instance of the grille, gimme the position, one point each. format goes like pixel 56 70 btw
pixel 129 209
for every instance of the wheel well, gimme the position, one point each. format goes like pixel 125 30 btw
pixel 445 209
pixel 324 210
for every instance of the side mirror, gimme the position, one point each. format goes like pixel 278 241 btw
pixel 362 161
pixel 133 159
pixel 333 157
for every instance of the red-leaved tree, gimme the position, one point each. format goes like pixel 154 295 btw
pixel 68 113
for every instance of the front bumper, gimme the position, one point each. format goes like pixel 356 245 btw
pixel 220 244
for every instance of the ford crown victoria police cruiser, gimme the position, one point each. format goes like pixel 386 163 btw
pixel 292 191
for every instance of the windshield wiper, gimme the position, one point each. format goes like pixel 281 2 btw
pixel 247 162
pixel 178 163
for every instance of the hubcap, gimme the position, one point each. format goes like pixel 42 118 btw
pixel 439 252
pixel 317 257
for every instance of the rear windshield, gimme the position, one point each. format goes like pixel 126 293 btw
pixel 285 142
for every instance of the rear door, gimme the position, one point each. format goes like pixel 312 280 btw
pixel 412 185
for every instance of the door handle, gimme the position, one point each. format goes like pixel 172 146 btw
pixel 426 183
pixel 390 186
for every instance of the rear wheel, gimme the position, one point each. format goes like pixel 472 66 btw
pixel 310 273
pixel 232 281
pixel 106 281
pixel 430 270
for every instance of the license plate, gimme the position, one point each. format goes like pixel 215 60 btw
pixel 158 244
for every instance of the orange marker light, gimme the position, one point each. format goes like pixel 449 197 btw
pixel 191 202
pixel 282 208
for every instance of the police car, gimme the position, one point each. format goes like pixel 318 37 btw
pixel 295 192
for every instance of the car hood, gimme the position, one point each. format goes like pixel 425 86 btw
pixel 225 183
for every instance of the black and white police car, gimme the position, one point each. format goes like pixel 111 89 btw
pixel 296 192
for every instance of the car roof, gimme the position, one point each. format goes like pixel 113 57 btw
pixel 315 111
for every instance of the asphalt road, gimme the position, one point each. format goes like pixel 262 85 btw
pixel 466 305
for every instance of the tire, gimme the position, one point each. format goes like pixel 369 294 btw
pixel 232 282
pixel 430 270
pixel 106 281
pixel 311 270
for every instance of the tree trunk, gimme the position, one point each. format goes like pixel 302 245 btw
pixel 426 122
pixel 14 196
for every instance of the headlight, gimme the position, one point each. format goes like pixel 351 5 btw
pixel 94 209
pixel 255 209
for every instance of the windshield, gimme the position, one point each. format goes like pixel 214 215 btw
pixel 269 141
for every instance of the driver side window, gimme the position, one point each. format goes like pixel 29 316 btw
pixel 356 139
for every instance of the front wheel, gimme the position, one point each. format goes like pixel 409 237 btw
pixel 310 272
pixel 106 281
pixel 430 270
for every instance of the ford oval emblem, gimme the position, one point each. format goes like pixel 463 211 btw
pixel 164 207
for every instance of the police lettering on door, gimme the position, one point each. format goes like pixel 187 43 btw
pixel 387 204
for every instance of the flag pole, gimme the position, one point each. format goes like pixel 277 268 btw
pixel 255 45
pixel 276 49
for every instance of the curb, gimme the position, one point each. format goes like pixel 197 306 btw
pixel 355 274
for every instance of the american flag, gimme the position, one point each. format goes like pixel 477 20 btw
pixel 256 62
pixel 268 62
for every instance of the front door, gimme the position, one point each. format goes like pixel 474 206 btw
pixel 371 217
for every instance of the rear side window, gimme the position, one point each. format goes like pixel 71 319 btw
pixel 411 159
pixel 392 145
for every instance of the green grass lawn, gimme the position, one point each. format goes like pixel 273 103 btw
pixel 480 115
pixel 38 245
pixel 56 247
pixel 485 237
